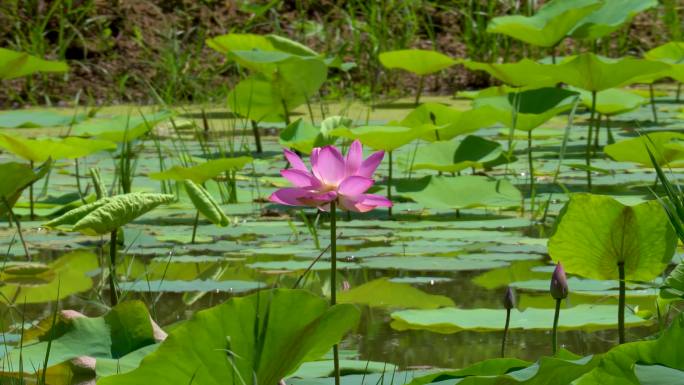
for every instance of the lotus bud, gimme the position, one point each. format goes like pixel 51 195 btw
pixel 559 283
pixel 509 299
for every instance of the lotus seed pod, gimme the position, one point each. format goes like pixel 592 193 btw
pixel 559 283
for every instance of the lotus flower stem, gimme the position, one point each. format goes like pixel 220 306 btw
pixel 621 304
pixel 194 227
pixel 333 280
pixel 589 132
pixel 11 216
pixel 554 333
pixel 389 182
pixel 32 216
pixel 257 136
pixel 421 82
pixel 509 303
pixel 653 103
pixel 531 167
pixel 113 299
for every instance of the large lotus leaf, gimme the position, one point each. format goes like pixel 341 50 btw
pixel 121 128
pixel 303 136
pixel 249 340
pixel 15 64
pixel 203 171
pixel 548 26
pixel 108 214
pixel 299 76
pixel 125 328
pixel 40 150
pixel 69 273
pixel 523 73
pixel 591 72
pixel 460 192
pixel 490 367
pixel 384 293
pixel 387 138
pixel 449 121
pixel 610 17
pixel 205 203
pixel 613 101
pixel 596 232
pixel 16 177
pixel 417 61
pixel 671 53
pixel 453 320
pixel 673 287
pixel 665 147
pixel 530 109
pixel 37 118
pixel 453 156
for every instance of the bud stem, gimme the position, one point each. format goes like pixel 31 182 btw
pixel 333 281
pixel 621 304
pixel 554 334
pixel 503 340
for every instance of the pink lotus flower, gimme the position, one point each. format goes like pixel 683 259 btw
pixel 333 178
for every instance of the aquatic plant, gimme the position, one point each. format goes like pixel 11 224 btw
pixel 509 303
pixel 559 291
pixel 15 64
pixel 334 181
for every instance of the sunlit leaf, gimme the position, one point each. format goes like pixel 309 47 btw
pixel 453 156
pixel 15 64
pixel 610 17
pixel 417 61
pixel 384 293
pixel 203 171
pixel 387 138
pixel 523 73
pixel 39 150
pixel 665 146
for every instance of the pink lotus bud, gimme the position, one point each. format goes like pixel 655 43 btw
pixel 559 283
pixel 509 299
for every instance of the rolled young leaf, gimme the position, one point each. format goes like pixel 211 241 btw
pixel 205 204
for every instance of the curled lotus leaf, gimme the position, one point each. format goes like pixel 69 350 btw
pixel 205 204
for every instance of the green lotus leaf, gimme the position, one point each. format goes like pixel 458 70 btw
pixel 460 192
pixel 108 214
pixel 548 26
pixel 660 144
pixel 303 136
pixel 523 73
pixel 125 328
pixel 15 64
pixel 16 178
pixel 610 17
pixel 417 61
pixel 205 203
pixel 531 108
pixel 40 150
pixel 290 46
pixel 203 171
pixel 449 122
pixel 120 128
pixel 613 101
pixel 387 138
pixel 591 72
pixel 453 156
pixel 37 118
pixel 453 320
pixel 239 341
pixel 673 287
pixel 595 232
pixel 384 293
pixel 671 53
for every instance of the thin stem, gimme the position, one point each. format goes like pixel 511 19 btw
pixel 653 103
pixel 16 221
pixel 285 112
pixel 589 132
pixel 194 227
pixel 531 167
pixel 113 298
pixel 421 81
pixel 32 216
pixel 621 304
pixel 78 181
pixel 610 138
pixel 503 340
pixel 257 136
pixel 389 183
pixel 554 333
pixel 679 92
pixel 333 280
pixel 598 131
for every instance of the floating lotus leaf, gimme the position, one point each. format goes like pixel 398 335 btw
pixel 591 72
pixel 420 263
pixel 548 26
pixel 166 285
pixel 531 108
pixel 610 17
pixel 239 341
pixel 613 101
pixel 523 73
pixel 383 293
pixel 121 128
pixel 453 156
pixel 205 203
pixel 665 146
pixel 387 138
pixel 37 118
pixel 15 64
pixel 595 232
pixel 448 121
pixel 460 192
pixel 203 171
pixel 108 214
pixel 40 150
pixel 453 320
pixel 417 61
